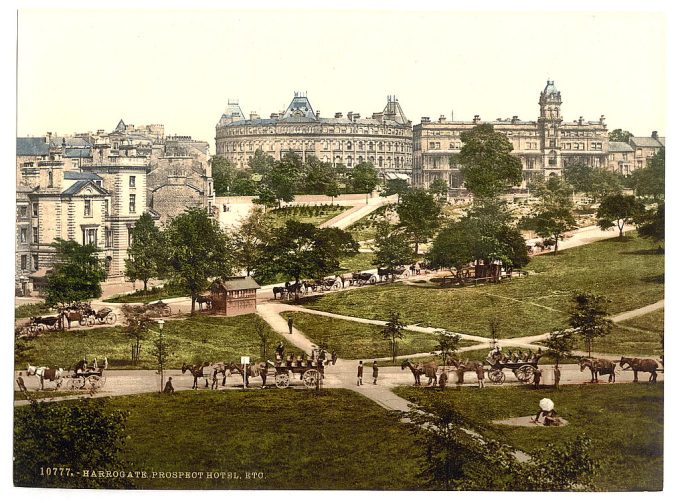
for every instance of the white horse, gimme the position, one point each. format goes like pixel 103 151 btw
pixel 46 373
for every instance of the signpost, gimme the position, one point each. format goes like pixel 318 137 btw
pixel 245 360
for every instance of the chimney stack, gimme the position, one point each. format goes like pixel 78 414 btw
pixel 655 135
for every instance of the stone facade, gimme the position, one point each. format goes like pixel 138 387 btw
pixel 544 146
pixel 385 139
pixel 644 148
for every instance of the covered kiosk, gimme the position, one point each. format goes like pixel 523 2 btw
pixel 234 296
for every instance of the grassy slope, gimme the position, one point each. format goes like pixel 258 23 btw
pixel 621 270
pixel 299 440
pixel 28 310
pixel 293 213
pixel 197 339
pixel 355 340
pixel 625 423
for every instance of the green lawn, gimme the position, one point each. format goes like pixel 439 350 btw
pixel 151 295
pixel 358 262
pixel 29 310
pixel 356 341
pixel 306 214
pixel 624 422
pixel 197 339
pixel 295 439
pixel 624 271
pixel 652 322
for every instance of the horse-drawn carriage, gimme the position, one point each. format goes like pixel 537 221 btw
pixel 86 377
pixel 83 313
pixel 522 366
pixel 364 278
pixel 311 372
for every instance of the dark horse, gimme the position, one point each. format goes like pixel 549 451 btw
pixel 640 365
pixel 599 366
pixel 197 372
pixel 254 370
pixel 219 368
pixel 428 369
pixel 278 290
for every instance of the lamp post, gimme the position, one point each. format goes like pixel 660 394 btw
pixel 161 355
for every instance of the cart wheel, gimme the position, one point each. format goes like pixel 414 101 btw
pixel 75 383
pixel 496 376
pixel 96 381
pixel 91 321
pixel 524 373
pixel 310 378
pixel 373 280
pixel 111 318
pixel 282 380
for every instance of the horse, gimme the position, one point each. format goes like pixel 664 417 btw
pixel 599 366
pixel 203 299
pixel 254 370
pixel 640 365
pixel 197 372
pixel 219 368
pixel 46 373
pixel 428 369
pixel 347 277
pixel 464 366
pixel 280 290
pixel 81 315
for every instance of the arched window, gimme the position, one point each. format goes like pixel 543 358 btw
pixel 349 161
pixel 349 145
pixel 380 162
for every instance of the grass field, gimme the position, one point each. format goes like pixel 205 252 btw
pixel 354 340
pixel 193 340
pixel 151 295
pixel 623 270
pixel 624 422
pixel 295 439
pixel 358 262
pixel 307 215
pixel 28 310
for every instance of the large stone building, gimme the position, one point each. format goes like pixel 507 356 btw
pixel 544 146
pixel 385 139
pixel 93 187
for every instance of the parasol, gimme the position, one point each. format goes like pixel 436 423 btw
pixel 546 404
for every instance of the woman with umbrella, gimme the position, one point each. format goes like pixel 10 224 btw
pixel 548 412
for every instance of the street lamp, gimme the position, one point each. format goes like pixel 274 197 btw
pixel 160 350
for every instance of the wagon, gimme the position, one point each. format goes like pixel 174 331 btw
pixel 105 315
pixel 363 278
pixel 523 369
pixel 90 378
pixel 311 373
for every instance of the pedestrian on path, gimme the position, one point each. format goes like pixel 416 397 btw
pixel 334 356
pixel 375 371
pixel 558 375
pixel 537 377
pixel 360 373
pixel 480 376
pixel 443 379
pixel 169 388
pixel 290 324
pixel 20 382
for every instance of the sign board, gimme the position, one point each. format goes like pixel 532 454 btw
pixel 245 360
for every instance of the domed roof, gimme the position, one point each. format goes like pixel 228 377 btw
pixel 550 88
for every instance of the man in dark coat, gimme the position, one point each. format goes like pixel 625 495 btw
pixel 537 377
pixel 290 324
pixel 169 388
pixel 375 372
pixel 334 356
pixel 360 373
pixel 20 382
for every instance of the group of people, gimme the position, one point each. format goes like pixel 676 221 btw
pixel 360 372
pixel 318 355
pixel 497 354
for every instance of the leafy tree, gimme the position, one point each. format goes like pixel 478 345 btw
pixel 589 317
pixel 261 163
pixel 283 178
pixel 243 184
pixel 364 177
pixel 617 209
pixel 137 322
pixel 197 250
pixel 76 274
pixel 249 237
pixel 332 190
pixel 145 253
pixel 418 215
pixel 592 181
pixel 650 181
pixel 161 350
pixel 553 216
pixel 393 331
pixel 579 176
pixel 223 174
pixel 448 344
pixel 80 434
pixel 397 186
pixel 651 223
pixel 262 330
pixel 487 165
pixel 301 250
pixel 620 135
pixel 266 197
pixel 318 177
pixel 391 248
pixel 439 188
pixel 560 344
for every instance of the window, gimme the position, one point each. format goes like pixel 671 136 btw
pixel 34 207
pixel 23 233
pixel 35 235
pixel 106 207
pixel 50 179
pixel 24 262
pixel 133 181
pixel 90 236
pixel 133 208
pixel 88 208
pixel 35 262
pixel 108 236
pixel 22 211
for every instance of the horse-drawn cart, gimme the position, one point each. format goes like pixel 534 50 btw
pixel 523 368
pixel 311 372
pixel 89 378
pixel 104 315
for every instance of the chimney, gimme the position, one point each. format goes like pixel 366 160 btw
pixel 602 119
pixel 476 119
pixel 318 114
pixel 425 120
pixel 338 115
pixel 349 116
pixel 442 118
pixel 274 116
pixel 580 121
pixel 655 135
pixel 514 119
pixel 254 115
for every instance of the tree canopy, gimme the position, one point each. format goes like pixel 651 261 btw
pixel 364 177
pixel 76 274
pixel 589 316
pixel 650 181
pixel 252 234
pixel 487 165
pixel 620 135
pixel 391 247
pixel 223 174
pixel 652 223
pixel 554 214
pixel 595 182
pixel 418 215
pixel 618 209
pixel 146 258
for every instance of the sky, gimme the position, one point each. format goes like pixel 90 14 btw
pixel 83 70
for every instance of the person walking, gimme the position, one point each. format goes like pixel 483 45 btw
pixel 480 376
pixel 334 356
pixel 290 324
pixel 558 375
pixel 360 373
pixel 169 388
pixel 537 377
pixel 20 382
pixel 375 371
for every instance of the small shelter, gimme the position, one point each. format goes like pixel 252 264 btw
pixel 234 296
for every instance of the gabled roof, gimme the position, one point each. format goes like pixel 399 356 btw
pixel 120 128
pixel 77 152
pixel 32 146
pixel 645 141
pixel 236 283
pixel 299 108
pixel 81 175
pixel 69 141
pixel 393 109
pixel 80 185
pixel 619 146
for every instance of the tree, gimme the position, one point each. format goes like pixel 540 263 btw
pixel 592 181
pixel 161 350
pixel 579 176
pixel 364 177
pixel 589 317
pixel 249 238
pixel 283 178
pixel 266 197
pixel 223 174
pixel 391 248
pixel 448 343
pixel 487 165
pixel 439 188
pixel 393 331
pixel 197 250
pixel 76 274
pixel 397 186
pixel 652 223
pixel 84 434
pixel 650 181
pixel 244 185
pixel 261 163
pixel 137 322
pixel 300 250
pixel 262 330
pixel 332 190
pixel 560 344
pixel 617 209
pixel 620 135
pixel 318 177
pixel 418 215
pixel 145 253
pixel 553 216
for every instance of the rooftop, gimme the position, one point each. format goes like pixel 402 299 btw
pixel 32 146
